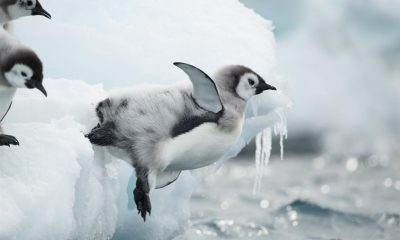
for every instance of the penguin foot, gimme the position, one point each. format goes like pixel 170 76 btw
pixel 93 129
pixel 143 203
pixel 102 135
pixel 7 140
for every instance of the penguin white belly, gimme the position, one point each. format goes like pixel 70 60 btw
pixel 200 147
pixel 6 97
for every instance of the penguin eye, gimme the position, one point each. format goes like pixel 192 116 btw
pixel 24 74
pixel 29 3
pixel 251 82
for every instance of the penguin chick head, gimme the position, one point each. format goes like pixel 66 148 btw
pixel 23 69
pixel 21 8
pixel 242 81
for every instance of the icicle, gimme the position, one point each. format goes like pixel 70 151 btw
pixel 280 129
pixel 263 153
pixel 257 162
pixel 264 147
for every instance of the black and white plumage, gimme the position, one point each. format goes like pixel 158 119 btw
pixel 13 9
pixel 20 67
pixel 164 130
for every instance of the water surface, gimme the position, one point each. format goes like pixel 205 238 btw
pixel 301 198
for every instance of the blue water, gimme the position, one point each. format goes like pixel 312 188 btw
pixel 301 198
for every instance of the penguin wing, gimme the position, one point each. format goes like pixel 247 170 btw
pixel 2 118
pixel 166 178
pixel 205 91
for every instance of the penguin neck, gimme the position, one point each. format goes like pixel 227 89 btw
pixel 228 96
pixel 235 103
pixel 233 114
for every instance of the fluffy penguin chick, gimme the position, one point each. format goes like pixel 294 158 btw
pixel 13 9
pixel 20 67
pixel 163 130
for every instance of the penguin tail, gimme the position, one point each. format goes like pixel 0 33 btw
pixel 102 135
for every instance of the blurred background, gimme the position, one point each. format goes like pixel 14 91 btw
pixel 342 61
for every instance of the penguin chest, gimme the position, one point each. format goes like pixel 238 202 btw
pixel 6 97
pixel 200 147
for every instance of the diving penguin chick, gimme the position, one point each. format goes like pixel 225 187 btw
pixel 20 67
pixel 13 9
pixel 162 131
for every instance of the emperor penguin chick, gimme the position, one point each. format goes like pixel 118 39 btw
pixel 20 67
pixel 163 131
pixel 13 9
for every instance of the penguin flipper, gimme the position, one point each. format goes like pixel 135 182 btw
pixel 205 91
pixel 166 178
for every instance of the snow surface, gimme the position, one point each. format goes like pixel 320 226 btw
pixel 56 185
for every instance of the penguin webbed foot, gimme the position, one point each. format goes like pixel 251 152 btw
pixel 142 199
pixel 7 140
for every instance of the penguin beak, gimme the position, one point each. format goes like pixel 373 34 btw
pixel 40 87
pixel 38 10
pixel 264 87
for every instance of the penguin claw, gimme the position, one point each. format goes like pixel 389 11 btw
pixel 97 126
pixel 7 140
pixel 143 203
